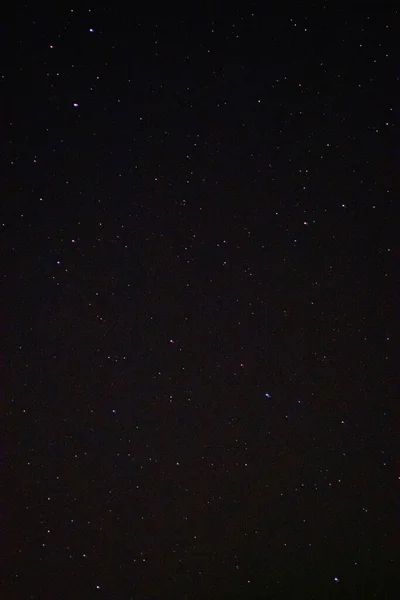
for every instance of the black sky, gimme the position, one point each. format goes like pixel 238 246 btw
pixel 199 244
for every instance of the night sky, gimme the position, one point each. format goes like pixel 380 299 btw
pixel 199 241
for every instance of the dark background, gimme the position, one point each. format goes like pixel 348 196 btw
pixel 198 306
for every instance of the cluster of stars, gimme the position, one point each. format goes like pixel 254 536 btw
pixel 197 254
